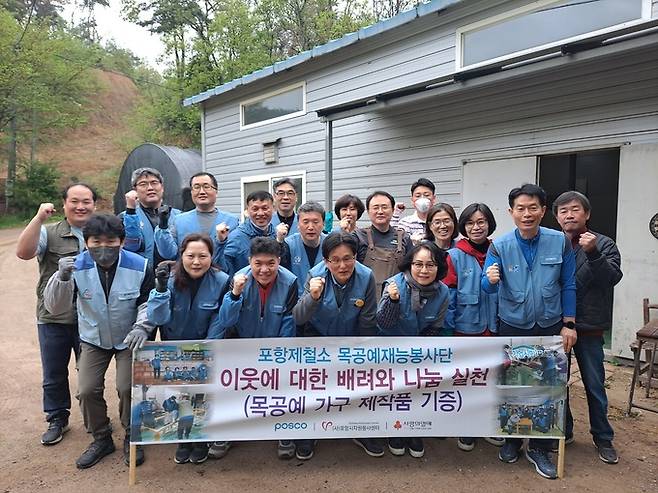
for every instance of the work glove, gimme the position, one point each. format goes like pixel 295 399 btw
pixel 161 277
pixel 136 338
pixel 65 269
pixel 163 213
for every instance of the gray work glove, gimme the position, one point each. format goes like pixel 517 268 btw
pixel 136 338
pixel 65 269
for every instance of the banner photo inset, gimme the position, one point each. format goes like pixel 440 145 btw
pixel 330 387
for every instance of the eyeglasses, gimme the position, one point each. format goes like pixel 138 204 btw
pixel 206 187
pixel 146 184
pixel 285 193
pixel 383 208
pixel 421 265
pixel 482 223
pixel 344 260
pixel 442 222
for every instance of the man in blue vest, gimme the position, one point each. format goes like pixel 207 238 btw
pixel 598 270
pixel 58 334
pixel 533 270
pixel 259 303
pixel 109 287
pixel 260 207
pixel 285 200
pixel 205 218
pixel 142 215
pixel 301 251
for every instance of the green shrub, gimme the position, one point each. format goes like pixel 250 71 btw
pixel 36 183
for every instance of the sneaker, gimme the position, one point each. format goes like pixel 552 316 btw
pixel 466 443
pixel 126 452
pixel 371 446
pixel 96 451
pixel 607 452
pixel 556 443
pixel 219 449
pixel 542 462
pixel 55 432
pixel 303 449
pixel 286 449
pixel 495 441
pixel 397 446
pixel 509 452
pixel 199 453
pixel 416 447
pixel 183 452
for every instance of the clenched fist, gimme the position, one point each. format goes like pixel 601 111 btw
pixel 281 232
pixel 239 282
pixel 493 274
pixel 587 242
pixel 45 211
pixel 315 287
pixel 347 225
pixel 131 200
pixel 393 291
pixel 222 231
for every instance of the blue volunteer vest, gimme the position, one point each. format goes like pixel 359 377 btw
pixel 187 223
pixel 105 323
pixel 236 252
pixel 329 319
pixel 250 324
pixel 147 250
pixel 183 319
pixel 412 323
pixel 530 296
pixel 475 310
pixel 299 262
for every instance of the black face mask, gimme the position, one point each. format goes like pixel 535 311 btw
pixel 105 256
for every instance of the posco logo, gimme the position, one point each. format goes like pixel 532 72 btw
pixel 290 426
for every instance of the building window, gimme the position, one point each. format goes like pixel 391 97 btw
pixel 266 182
pixel 543 24
pixel 273 107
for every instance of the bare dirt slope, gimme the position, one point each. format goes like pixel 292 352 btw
pixel 27 466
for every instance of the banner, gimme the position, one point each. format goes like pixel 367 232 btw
pixel 331 387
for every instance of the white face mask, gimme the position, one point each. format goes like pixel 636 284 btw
pixel 422 205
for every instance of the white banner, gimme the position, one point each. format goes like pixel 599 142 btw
pixel 332 387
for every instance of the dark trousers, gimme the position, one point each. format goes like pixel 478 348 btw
pixel 509 331
pixel 57 342
pixel 589 354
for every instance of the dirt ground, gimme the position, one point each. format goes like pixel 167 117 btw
pixel 26 465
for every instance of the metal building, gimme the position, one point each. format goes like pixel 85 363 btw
pixel 477 95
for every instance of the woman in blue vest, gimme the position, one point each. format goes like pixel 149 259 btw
pixel 186 306
pixel 441 226
pixel 339 300
pixel 414 303
pixel 472 312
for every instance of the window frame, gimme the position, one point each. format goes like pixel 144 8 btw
pixel 526 9
pixel 271 178
pixel 269 94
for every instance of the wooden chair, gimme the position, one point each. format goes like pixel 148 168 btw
pixel 648 335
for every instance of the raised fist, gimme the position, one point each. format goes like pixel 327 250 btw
pixel 281 232
pixel 164 212
pixel 315 287
pixel 222 231
pixel 239 282
pixel 393 291
pixel 65 268
pixel 162 276
pixel 131 200
pixel 45 211
pixel 493 274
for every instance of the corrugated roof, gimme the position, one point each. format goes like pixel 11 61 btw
pixel 349 39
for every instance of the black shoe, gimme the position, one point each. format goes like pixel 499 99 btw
pixel 371 446
pixel 607 452
pixel 183 453
pixel 126 452
pixel 95 452
pixel 466 443
pixel 55 432
pixel 416 447
pixel 397 446
pixel 199 453
pixel 304 449
pixel 509 452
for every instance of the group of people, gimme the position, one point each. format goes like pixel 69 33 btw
pixel 107 282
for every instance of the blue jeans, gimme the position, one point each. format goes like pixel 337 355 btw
pixel 589 354
pixel 56 342
pixel 509 331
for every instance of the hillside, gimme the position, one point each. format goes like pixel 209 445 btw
pixel 95 151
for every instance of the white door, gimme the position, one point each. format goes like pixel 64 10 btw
pixel 490 182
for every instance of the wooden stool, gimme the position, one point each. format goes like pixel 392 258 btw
pixel 646 335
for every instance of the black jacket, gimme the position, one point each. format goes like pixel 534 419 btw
pixel 597 273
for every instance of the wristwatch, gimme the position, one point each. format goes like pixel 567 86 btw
pixel 569 325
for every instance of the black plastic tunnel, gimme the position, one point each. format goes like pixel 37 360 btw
pixel 176 166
